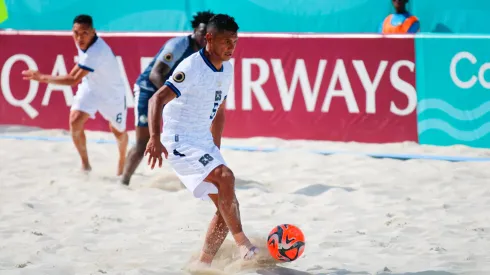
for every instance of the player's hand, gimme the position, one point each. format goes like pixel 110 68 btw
pixel 31 75
pixel 155 149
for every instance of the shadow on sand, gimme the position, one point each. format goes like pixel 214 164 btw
pixel 318 189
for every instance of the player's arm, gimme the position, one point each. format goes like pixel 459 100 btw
pixel 171 89
pixel 155 108
pixel 154 147
pixel 171 52
pixel 218 124
pixel 158 73
pixel 73 78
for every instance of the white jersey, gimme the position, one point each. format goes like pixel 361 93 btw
pixel 200 89
pixel 104 81
pixel 102 89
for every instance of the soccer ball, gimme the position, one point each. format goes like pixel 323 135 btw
pixel 286 243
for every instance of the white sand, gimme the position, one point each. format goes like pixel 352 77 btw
pixel 359 215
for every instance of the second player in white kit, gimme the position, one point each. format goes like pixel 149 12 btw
pixel 191 104
pixel 101 89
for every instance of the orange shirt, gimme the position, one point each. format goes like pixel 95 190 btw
pixel 402 28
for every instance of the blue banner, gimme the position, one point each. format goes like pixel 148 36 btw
pixel 453 89
pixel 158 15
pixel 328 16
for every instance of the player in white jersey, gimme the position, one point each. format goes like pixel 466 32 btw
pixel 194 98
pixel 101 89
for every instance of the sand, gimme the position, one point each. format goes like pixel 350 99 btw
pixel 359 215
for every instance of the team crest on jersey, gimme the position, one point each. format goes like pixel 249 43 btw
pixel 168 57
pixel 179 77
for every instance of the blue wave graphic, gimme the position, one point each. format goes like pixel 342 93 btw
pixel 440 125
pixel 464 115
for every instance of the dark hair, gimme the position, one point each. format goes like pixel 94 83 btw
pixel 84 19
pixel 201 18
pixel 222 22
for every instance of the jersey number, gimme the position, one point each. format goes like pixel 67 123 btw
pixel 204 160
pixel 217 99
pixel 119 118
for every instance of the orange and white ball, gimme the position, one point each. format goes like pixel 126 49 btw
pixel 286 242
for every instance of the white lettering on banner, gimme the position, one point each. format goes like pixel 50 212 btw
pixel 59 68
pixel 144 62
pixel 370 87
pixel 403 87
pixel 129 91
pixel 250 86
pixel 254 88
pixel 472 81
pixel 230 98
pixel 310 95
pixel 299 75
pixel 340 75
pixel 33 85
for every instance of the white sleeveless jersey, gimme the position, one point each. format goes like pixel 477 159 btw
pixel 200 90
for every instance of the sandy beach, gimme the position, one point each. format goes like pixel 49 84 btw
pixel 360 215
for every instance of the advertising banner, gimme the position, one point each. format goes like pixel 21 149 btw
pixel 291 87
pixel 453 87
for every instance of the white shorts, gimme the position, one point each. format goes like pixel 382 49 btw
pixel 193 162
pixel 113 110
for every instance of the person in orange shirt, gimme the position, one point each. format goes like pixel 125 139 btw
pixel 400 22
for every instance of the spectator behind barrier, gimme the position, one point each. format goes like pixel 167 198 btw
pixel 400 22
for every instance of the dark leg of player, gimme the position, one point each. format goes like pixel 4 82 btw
pixel 77 122
pixel 215 236
pixel 122 144
pixel 228 206
pixel 135 154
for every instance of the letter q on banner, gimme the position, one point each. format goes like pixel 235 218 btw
pixel 24 103
pixel 472 81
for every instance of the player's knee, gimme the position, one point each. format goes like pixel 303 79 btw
pixel 226 178
pixel 76 122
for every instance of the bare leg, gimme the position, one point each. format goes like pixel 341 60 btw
pixel 135 154
pixel 122 144
pixel 229 208
pixel 215 236
pixel 77 122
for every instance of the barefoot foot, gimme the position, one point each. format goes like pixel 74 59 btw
pixel 248 253
pixel 86 167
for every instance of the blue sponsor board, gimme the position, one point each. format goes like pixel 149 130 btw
pixel 453 89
